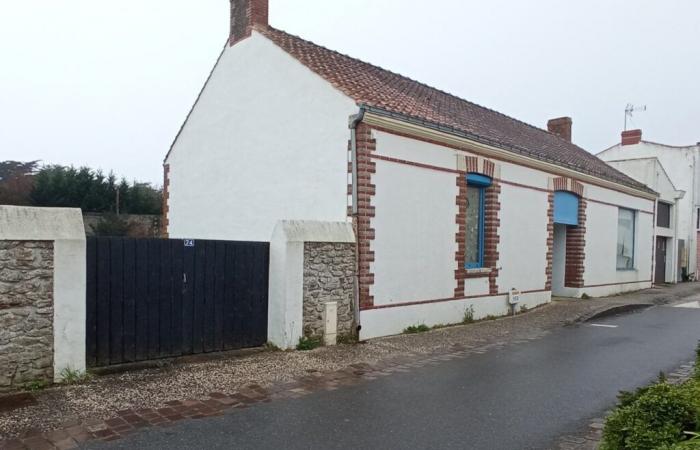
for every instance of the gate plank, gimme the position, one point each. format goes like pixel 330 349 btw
pixel 210 266
pixel 116 283
pixel 103 279
pixel 176 252
pixel 219 293
pixel 129 295
pixel 188 299
pixel 199 305
pixel 153 299
pixel 165 298
pixel 230 297
pixel 91 302
pixel 142 329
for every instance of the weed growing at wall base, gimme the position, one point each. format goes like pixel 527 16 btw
pixel 309 343
pixel 70 376
pixel 413 329
pixel 468 315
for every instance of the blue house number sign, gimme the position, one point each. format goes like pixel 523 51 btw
pixel 189 242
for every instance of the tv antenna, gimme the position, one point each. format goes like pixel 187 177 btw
pixel 630 109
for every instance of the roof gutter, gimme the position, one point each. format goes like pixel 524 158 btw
pixel 471 142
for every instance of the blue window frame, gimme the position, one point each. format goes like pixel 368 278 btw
pixel 474 239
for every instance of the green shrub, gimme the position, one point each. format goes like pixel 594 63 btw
pixel 416 329
pixel 309 342
pixel 652 418
pixel 697 362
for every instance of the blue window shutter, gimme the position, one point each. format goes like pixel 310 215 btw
pixel 476 179
pixel 565 208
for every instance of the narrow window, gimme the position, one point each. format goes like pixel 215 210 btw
pixel 625 239
pixel 474 239
pixel 663 215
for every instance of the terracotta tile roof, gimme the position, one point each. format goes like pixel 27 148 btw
pixel 394 94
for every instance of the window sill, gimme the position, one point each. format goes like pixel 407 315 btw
pixel 476 273
pixel 627 270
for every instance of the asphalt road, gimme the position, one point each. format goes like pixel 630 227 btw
pixel 523 396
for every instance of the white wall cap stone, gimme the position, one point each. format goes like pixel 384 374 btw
pixel 314 231
pixel 20 223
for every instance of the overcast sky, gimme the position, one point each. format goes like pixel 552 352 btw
pixel 107 84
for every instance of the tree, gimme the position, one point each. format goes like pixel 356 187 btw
pixel 92 191
pixel 16 182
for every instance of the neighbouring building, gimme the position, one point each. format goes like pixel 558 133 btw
pixel 454 206
pixel 673 172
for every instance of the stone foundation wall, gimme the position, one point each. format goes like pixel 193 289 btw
pixel 329 272
pixel 26 312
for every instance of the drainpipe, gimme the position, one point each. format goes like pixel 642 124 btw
pixel 354 121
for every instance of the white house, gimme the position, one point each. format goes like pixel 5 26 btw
pixel 673 172
pixel 453 205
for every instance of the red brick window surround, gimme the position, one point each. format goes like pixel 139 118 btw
pixel 491 223
pixel 575 236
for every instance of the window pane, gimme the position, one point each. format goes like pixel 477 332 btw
pixel 625 239
pixel 663 215
pixel 473 223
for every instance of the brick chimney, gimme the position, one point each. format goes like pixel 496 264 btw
pixel 561 126
pixel 246 14
pixel 631 137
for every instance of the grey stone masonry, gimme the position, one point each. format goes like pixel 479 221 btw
pixel 329 276
pixel 26 312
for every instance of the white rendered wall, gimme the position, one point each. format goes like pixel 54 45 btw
pixel 415 228
pixel 414 246
pixel 523 239
pixel 64 227
pixel 266 141
pixel 389 321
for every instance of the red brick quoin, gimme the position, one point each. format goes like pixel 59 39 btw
pixel 365 145
pixel 491 224
pixel 166 196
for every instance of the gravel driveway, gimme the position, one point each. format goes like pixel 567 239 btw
pixel 149 388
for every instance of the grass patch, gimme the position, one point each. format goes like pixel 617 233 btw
pixel 70 376
pixel 35 385
pixel 413 329
pixel 585 296
pixel 309 343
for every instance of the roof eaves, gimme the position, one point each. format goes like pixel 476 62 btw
pixel 511 148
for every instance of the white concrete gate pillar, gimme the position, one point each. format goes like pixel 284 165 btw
pixel 286 290
pixel 64 227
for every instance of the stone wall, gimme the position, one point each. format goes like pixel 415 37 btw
pixel 329 270
pixel 26 312
pixel 140 225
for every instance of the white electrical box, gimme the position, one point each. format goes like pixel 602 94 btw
pixel 513 296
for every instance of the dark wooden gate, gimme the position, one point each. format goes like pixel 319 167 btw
pixel 159 298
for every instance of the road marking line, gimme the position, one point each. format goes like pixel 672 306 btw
pixel 603 325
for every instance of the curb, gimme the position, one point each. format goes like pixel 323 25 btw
pixel 613 311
